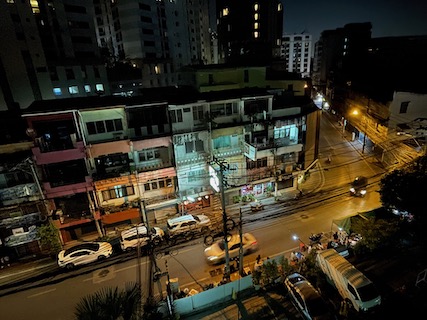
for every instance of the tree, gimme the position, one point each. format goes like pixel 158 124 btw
pixel 111 304
pixel 49 239
pixel 404 189
pixel 376 233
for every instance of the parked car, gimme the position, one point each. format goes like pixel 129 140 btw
pixel 307 299
pixel 188 223
pixel 215 254
pixel 84 253
pixel 138 235
pixel 358 186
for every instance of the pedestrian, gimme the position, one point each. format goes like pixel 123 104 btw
pixel 258 259
pixel 294 257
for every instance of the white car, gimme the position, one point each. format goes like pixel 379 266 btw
pixel 131 238
pixel 188 223
pixel 215 254
pixel 84 253
pixel 307 299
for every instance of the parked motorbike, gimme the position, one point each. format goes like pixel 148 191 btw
pixel 315 238
pixel 257 207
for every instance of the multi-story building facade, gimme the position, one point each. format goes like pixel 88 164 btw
pixel 340 57
pixel 296 51
pixel 99 160
pixel 249 30
pixel 158 37
pixel 49 51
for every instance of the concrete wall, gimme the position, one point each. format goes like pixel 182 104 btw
pixel 211 297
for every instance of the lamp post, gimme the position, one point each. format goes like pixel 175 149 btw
pixel 302 244
pixel 366 126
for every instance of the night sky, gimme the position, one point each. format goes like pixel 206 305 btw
pixel 388 17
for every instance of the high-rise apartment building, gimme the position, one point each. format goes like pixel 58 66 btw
pixel 341 55
pixel 296 50
pixel 249 30
pixel 158 37
pixel 49 50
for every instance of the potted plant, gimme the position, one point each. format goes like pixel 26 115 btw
pixel 237 199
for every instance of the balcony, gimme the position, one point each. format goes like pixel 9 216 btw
pixel 64 188
pixel 47 155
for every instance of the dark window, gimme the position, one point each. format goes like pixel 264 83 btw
pixel 404 107
pixel 96 71
pixel 104 126
pixel 147 31
pixel 76 9
pixel 149 43
pixel 246 76
pixel 146 19
pixel 118 192
pixel 70 74
pixel 81 39
pixel 145 7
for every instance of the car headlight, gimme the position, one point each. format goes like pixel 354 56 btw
pixel 363 192
pixel 352 190
pixel 212 258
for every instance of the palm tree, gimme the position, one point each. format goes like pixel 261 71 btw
pixel 111 304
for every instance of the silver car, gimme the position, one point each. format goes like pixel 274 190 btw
pixel 84 253
pixel 307 299
pixel 138 235
pixel 215 254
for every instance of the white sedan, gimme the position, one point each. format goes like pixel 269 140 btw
pixel 84 253
pixel 215 254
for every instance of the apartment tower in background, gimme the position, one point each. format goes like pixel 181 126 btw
pixel 296 50
pixel 249 31
pixel 49 50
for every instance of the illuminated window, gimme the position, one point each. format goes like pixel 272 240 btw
pixel 256 16
pixel 225 12
pixel 87 88
pixel 256 34
pixel 35 6
pixel 256 6
pixel 73 90
pixel 157 69
pixel 99 87
pixel 279 7
pixel 57 91
pixel 256 25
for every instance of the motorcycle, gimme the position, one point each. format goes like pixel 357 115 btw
pixel 315 238
pixel 257 207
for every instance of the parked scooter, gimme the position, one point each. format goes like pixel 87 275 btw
pixel 258 206
pixel 315 238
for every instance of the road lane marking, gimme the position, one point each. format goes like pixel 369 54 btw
pixel 41 293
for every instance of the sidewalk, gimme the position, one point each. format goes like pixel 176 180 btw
pixel 21 273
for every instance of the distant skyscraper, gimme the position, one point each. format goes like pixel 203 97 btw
pixel 249 30
pixel 296 51
pixel 48 51
pixel 341 54
pixel 159 37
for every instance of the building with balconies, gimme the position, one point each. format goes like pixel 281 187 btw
pixel 22 208
pixel 98 158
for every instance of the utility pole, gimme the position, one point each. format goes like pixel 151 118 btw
pixel 366 125
pixel 223 167
pixel 154 273
pixel 241 244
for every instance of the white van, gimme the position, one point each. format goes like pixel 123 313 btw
pixel 130 238
pixel 188 223
pixel 349 281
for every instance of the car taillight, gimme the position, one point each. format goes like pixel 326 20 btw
pixel 254 243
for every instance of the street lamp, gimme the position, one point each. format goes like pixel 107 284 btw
pixel 302 244
pixel 356 113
